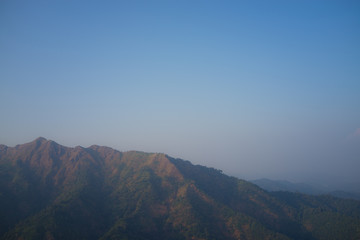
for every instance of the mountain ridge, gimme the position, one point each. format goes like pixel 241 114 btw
pixel 59 192
pixel 306 188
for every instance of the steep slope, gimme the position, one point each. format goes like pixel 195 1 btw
pixel 48 191
pixel 44 182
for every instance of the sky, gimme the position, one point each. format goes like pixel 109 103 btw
pixel 258 89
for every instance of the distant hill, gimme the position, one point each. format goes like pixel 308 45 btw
pixel 49 191
pixel 281 185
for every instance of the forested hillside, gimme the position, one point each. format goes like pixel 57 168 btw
pixel 48 191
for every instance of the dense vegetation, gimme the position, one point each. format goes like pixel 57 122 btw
pixel 48 191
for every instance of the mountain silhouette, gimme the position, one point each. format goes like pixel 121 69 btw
pixel 49 191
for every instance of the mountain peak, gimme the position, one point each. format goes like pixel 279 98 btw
pixel 33 144
pixel 42 142
pixel 40 139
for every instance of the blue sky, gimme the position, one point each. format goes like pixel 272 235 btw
pixel 256 88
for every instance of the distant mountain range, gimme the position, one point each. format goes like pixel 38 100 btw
pixel 281 185
pixel 49 191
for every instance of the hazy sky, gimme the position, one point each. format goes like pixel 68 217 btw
pixel 255 88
